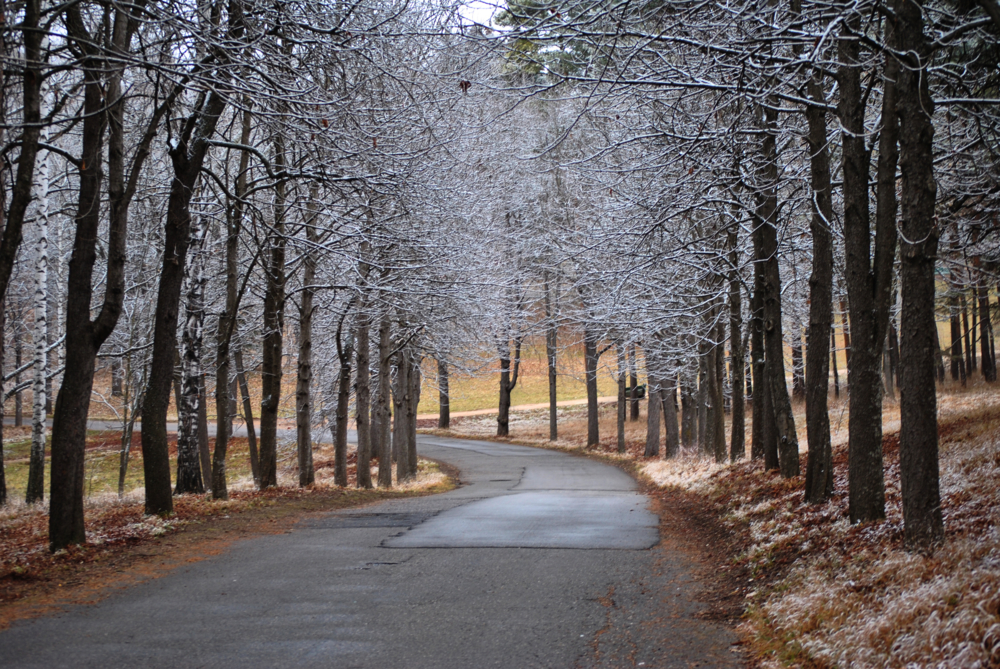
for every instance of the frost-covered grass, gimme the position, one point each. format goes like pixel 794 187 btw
pixel 825 593
pixel 853 596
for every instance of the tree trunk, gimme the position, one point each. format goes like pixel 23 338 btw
pixel 241 379
pixel 633 384
pixel 508 380
pixel 957 359
pixel 203 445
pixel 989 364
pixel 765 236
pixel 918 435
pixel 413 400
pixel 819 466
pixel 189 479
pixel 762 425
pixel 669 402
pixel 346 353
pixel 737 362
pixel 970 351
pixel 868 281
pixel 3 475
pixel 400 390
pixel 622 397
pixel 225 393
pixel 304 371
pixel 444 401
pixel 36 465
pixel 273 322
pixel 382 414
pixel 85 336
pixel 718 402
pixel 833 363
pixel 845 324
pixel 363 401
pixel 187 162
pixel 653 411
pixel 704 353
pixel 798 367
pixel 551 335
pixel 590 366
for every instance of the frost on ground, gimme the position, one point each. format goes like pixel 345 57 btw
pixel 852 596
pixel 824 592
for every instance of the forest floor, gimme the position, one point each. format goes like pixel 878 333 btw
pixel 125 547
pixel 803 586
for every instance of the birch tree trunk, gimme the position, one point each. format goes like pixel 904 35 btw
pixel 551 351
pixel 189 475
pixel 36 465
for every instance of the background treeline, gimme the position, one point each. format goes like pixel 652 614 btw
pixel 195 192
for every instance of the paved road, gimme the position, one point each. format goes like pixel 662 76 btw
pixel 540 559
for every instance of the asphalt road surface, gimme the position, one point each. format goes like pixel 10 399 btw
pixel 540 559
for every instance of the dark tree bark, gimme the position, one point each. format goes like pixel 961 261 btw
pixel 508 380
pixel 84 338
pixel 762 420
pixel 653 411
pixel 241 379
pixel 798 367
pixel 3 475
pixel 18 351
pixel 989 364
pixel 444 401
pixel 551 341
pixel 957 359
pixel 590 366
pixel 918 435
pixel 304 373
pixel 717 372
pixel 622 397
pixel 737 362
pixel 413 400
pixel 833 363
pixel 116 377
pixel 363 401
pixel 845 324
pixel 669 402
pixel 819 467
pixel 703 396
pixel 633 384
pixel 225 395
pixel 382 418
pixel 970 350
pixel 400 430
pixel 765 242
pixel 868 280
pixel 345 353
pixel 689 410
pixel 187 157
pixel 274 323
